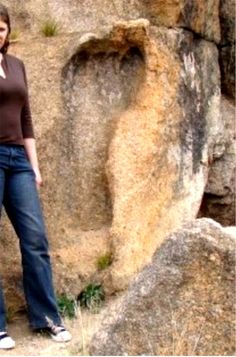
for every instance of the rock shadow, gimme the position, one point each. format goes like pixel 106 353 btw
pixel 98 84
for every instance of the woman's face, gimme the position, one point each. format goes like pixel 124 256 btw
pixel 3 33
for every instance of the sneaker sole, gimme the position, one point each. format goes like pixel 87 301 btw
pixel 64 336
pixel 7 343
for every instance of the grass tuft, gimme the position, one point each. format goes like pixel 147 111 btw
pixel 104 261
pixel 14 35
pixel 50 28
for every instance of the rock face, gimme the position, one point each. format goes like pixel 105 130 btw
pixel 219 198
pixel 130 159
pixel 227 21
pixel 109 79
pixel 201 17
pixel 227 62
pixel 157 154
pixel 180 304
pixel 227 46
pixel 126 106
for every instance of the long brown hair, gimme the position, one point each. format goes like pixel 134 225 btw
pixel 4 16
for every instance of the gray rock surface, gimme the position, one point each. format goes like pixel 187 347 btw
pixel 227 21
pixel 227 64
pixel 182 303
pixel 227 46
pixel 219 198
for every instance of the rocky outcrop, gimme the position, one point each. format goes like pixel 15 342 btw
pixel 182 303
pixel 126 106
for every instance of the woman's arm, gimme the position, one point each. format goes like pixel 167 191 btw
pixel 31 152
pixel 28 135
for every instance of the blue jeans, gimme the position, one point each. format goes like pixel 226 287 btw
pixel 19 195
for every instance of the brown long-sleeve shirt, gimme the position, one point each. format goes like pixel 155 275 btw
pixel 15 116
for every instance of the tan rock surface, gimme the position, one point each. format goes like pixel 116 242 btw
pixel 159 152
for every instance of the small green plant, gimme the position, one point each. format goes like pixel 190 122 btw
pixel 50 28
pixel 10 314
pixel 104 261
pixel 14 35
pixel 92 297
pixel 67 306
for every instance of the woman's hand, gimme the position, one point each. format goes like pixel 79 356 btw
pixel 31 152
pixel 38 177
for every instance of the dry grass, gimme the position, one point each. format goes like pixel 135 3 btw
pixel 184 340
pixel 82 327
pixel 186 334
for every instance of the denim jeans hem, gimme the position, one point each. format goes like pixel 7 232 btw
pixel 41 325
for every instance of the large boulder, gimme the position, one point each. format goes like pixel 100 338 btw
pixel 158 156
pixel 182 303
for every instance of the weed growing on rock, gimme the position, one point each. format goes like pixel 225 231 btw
pixel 50 28
pixel 104 261
pixel 92 297
pixel 67 306
pixel 14 36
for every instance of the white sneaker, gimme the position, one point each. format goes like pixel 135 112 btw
pixel 6 342
pixel 59 333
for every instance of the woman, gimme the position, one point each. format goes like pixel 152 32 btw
pixel 19 179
